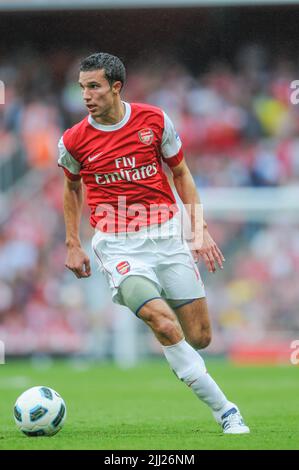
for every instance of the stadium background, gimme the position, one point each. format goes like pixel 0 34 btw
pixel 223 74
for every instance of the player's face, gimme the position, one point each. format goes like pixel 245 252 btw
pixel 99 97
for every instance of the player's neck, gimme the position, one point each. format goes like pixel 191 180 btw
pixel 113 116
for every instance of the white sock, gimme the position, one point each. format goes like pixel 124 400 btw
pixel 189 366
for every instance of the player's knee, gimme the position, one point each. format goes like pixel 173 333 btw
pixel 201 340
pixel 158 321
pixel 165 328
pixel 162 322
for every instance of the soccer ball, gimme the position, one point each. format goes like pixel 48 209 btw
pixel 39 411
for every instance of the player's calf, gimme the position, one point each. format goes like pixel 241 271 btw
pixel 194 319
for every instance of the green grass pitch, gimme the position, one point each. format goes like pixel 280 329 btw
pixel 146 407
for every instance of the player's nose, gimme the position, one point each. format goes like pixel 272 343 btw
pixel 86 96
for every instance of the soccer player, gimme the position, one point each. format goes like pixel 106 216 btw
pixel 117 151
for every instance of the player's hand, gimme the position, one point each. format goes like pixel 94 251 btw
pixel 209 251
pixel 78 262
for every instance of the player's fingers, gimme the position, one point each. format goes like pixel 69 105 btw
pixel 217 257
pixel 219 253
pixel 70 268
pixel 195 255
pixel 87 267
pixel 209 262
pixel 81 273
pixel 78 272
pixel 212 260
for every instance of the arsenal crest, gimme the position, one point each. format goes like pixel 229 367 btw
pixel 123 267
pixel 146 136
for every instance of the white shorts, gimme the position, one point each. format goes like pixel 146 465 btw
pixel 159 254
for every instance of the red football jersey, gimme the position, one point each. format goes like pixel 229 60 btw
pixel 121 166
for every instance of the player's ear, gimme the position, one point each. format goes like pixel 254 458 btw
pixel 116 87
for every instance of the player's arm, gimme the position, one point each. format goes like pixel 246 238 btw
pixel 76 259
pixel 203 244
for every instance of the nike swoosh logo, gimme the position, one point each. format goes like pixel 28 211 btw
pixel 191 383
pixel 94 157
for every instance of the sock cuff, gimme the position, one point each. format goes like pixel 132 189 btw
pixel 174 345
pixel 182 356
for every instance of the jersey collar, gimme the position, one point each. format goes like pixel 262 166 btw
pixel 112 127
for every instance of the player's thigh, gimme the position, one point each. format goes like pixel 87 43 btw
pixel 124 259
pixel 195 322
pixel 180 279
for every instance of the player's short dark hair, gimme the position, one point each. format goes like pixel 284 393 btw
pixel 112 65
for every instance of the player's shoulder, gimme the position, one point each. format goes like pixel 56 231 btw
pixel 147 109
pixel 72 136
pixel 148 115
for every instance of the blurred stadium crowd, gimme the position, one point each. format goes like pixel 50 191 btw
pixel 238 129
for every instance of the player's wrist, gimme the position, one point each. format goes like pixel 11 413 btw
pixel 73 243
